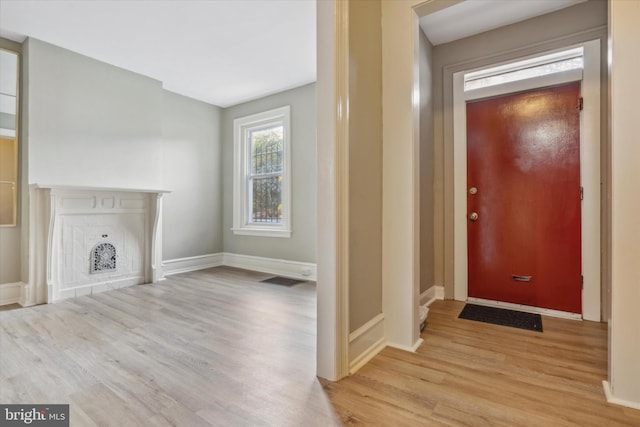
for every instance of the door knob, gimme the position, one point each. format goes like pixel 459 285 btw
pixel 473 216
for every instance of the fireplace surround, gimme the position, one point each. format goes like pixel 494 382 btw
pixel 84 240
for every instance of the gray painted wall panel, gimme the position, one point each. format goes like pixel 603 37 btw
pixel 365 163
pixel 91 123
pixel 10 254
pixel 426 165
pixel 192 212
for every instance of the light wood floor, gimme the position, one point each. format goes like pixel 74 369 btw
pixel 476 374
pixel 216 347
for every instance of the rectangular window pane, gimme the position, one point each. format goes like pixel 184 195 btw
pixel 266 147
pixel 267 199
pixel 525 73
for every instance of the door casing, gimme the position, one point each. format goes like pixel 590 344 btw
pixel 590 172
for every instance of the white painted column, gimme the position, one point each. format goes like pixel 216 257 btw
pixel 332 255
pixel 624 336
pixel 400 190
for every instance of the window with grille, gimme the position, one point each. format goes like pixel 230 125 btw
pixel 261 169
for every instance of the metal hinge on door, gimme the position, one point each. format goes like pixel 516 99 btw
pixel 582 281
pixel 581 103
pixel 581 193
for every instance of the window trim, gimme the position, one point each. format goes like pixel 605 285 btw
pixel 241 127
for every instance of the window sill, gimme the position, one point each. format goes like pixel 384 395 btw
pixel 262 232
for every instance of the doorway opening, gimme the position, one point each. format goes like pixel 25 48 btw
pixel 579 63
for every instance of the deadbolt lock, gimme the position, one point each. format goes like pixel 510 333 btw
pixel 473 216
pixel 473 190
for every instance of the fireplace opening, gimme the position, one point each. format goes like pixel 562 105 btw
pixel 103 258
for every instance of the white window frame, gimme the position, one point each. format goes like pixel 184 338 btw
pixel 242 126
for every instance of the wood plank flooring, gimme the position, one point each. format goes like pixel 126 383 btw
pixel 216 347
pixel 475 374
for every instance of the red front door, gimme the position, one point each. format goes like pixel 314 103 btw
pixel 523 198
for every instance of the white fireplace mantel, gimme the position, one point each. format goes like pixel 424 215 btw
pixel 65 221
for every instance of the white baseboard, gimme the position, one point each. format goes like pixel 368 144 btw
pixel 525 308
pixel 26 299
pixel 430 295
pixel 95 288
pixel 411 349
pixel 365 342
pixel 184 265
pixel 612 399
pixel 279 267
pixel 10 293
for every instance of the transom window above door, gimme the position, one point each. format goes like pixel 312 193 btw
pixel 566 61
pixel 262 188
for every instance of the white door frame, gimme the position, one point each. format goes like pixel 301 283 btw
pixel 589 172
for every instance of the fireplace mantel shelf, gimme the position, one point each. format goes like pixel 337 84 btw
pixel 89 188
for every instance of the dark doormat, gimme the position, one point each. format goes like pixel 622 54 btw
pixel 503 317
pixel 284 281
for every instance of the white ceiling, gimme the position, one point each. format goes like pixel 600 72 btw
pixel 476 16
pixel 222 52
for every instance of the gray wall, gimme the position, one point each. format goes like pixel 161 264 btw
pixel 91 123
pixel 426 164
pixel 302 244
pixel 192 212
pixel 365 163
pixel 554 30
pixel 10 254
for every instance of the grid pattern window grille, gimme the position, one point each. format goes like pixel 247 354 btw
pixel 262 174
pixel 266 147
